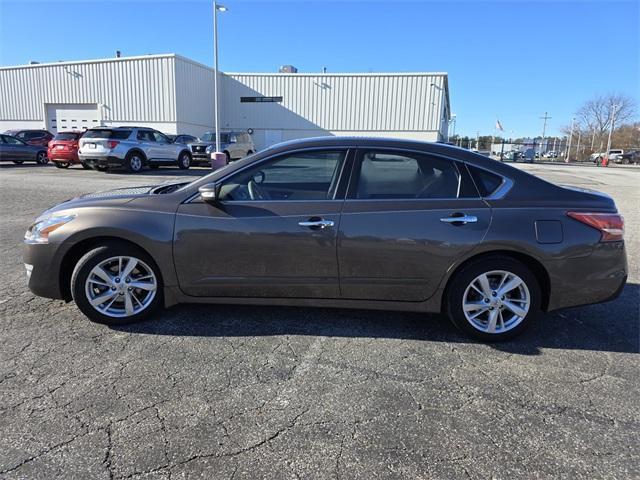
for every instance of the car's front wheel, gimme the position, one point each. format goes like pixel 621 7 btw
pixel 116 284
pixel 41 158
pixel 493 298
pixel 184 161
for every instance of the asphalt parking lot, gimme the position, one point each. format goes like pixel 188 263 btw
pixel 265 392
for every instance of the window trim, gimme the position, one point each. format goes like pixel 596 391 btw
pixel 355 172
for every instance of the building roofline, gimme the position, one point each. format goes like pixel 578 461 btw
pixel 97 60
pixel 341 74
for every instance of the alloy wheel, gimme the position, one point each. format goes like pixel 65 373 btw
pixel 496 301
pixel 121 286
pixel 136 163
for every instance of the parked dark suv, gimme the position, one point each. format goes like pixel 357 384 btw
pixel 32 137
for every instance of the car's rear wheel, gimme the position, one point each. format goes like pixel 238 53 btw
pixel 85 166
pixel 116 284
pixel 41 158
pixel 184 161
pixel 62 164
pixel 493 298
pixel 134 162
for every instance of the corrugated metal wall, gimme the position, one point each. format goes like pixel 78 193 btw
pixel 366 102
pixel 194 96
pixel 129 89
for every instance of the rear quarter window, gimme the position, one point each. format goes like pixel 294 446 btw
pixel 106 133
pixel 486 182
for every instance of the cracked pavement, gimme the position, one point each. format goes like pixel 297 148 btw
pixel 241 392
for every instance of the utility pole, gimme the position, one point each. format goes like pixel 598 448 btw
pixel 566 160
pixel 578 146
pixel 613 119
pixel 544 130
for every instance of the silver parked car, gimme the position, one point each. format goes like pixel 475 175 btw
pixel 234 145
pixel 132 148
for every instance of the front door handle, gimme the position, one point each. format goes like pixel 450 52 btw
pixel 315 223
pixel 459 219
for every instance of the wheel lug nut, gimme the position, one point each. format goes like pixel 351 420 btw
pixel 502 298
pixel 127 280
pixel 118 280
pixel 113 288
pixel 493 294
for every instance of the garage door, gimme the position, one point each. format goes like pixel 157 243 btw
pixel 68 116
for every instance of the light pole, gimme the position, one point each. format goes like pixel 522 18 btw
pixel 217 156
pixel 544 129
pixel 613 119
pixel 566 160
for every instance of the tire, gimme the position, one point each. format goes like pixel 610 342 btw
pixel 62 164
pixel 460 290
pixel 115 313
pixel 249 152
pixel 18 162
pixel 184 161
pixel 134 162
pixel 41 158
pixel 226 154
pixel 85 166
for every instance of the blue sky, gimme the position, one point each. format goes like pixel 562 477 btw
pixel 510 59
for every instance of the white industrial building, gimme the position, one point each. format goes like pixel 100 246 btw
pixel 175 95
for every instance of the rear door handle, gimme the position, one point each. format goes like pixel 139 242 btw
pixel 316 224
pixel 460 219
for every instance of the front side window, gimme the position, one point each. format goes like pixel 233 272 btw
pixel 296 176
pixel 12 141
pixel 391 175
pixel 160 137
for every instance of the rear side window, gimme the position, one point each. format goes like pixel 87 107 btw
pixel 388 175
pixel 486 182
pixel 107 133
pixel 67 136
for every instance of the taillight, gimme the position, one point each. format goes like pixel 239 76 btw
pixel 112 143
pixel 610 225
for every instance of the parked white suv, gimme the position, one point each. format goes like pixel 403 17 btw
pixel 132 148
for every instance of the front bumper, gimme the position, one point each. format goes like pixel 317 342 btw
pixel 42 262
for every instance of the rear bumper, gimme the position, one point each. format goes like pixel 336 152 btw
pixel 599 277
pixel 57 156
pixel 107 161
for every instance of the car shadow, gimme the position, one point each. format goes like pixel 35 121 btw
pixel 611 327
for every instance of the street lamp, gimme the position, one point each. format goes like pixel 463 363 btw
pixel 217 156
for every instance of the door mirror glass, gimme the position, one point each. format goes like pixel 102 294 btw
pixel 209 192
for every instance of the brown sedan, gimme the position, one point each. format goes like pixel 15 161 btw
pixel 339 222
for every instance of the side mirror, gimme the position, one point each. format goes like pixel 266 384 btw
pixel 209 192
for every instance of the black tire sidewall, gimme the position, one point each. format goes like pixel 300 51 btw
pixel 463 278
pixel 90 260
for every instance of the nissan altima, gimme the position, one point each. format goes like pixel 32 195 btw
pixel 338 222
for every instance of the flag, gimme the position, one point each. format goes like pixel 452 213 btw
pixel 499 126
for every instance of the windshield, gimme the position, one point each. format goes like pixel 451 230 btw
pixel 211 137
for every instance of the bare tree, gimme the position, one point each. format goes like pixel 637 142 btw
pixel 595 115
pixel 593 119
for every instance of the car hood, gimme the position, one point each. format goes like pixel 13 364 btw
pixel 108 198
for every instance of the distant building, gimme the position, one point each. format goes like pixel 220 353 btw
pixel 175 95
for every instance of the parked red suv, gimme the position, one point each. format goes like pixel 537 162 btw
pixel 32 137
pixel 63 149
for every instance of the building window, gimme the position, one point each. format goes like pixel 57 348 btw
pixel 260 99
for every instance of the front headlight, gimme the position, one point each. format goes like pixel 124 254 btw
pixel 211 149
pixel 39 231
